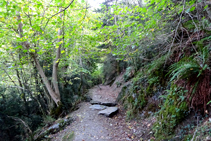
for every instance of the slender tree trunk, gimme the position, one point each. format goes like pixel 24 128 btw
pixel 53 95
pixel 56 62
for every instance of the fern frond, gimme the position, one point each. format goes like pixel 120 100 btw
pixel 184 68
pixel 205 54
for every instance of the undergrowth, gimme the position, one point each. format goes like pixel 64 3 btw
pixel 171 113
pixel 135 97
pixel 194 71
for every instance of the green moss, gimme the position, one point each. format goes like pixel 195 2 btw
pixel 61 123
pixel 134 98
pixel 172 112
pixel 134 103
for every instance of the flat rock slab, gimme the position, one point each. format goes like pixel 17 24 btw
pixel 95 102
pixel 109 111
pixel 108 103
pixel 98 107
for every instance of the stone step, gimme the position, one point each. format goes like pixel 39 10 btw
pixel 93 102
pixel 109 111
pixel 98 107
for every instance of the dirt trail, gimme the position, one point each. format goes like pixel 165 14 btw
pixel 89 126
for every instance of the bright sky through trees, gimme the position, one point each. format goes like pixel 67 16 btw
pixel 95 3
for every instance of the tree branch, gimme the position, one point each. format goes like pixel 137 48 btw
pixel 24 123
pixel 58 13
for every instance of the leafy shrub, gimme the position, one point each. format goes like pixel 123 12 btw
pixel 13 110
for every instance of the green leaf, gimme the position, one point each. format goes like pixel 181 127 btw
pixel 144 10
pixel 192 9
pixel 205 6
pixel 192 2
pixel 40 52
pixel 208 102
pixel 57 1
pixel 18 47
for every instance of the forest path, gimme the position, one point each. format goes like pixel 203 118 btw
pixel 89 126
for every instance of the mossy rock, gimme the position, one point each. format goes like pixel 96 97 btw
pixel 56 127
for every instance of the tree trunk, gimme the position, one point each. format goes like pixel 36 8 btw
pixel 56 62
pixel 54 95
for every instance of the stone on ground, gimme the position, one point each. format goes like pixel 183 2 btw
pixel 95 102
pixel 98 107
pixel 109 111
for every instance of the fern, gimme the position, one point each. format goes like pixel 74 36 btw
pixel 188 66
pixel 205 55
pixel 183 69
